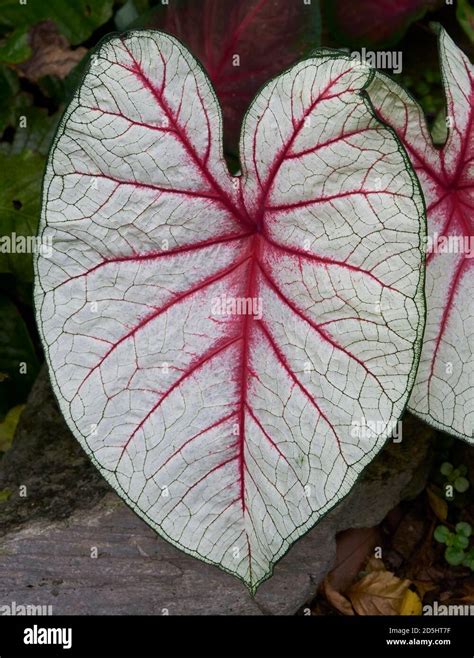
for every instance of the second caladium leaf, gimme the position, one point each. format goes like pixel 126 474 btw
pixel 374 22
pixel 230 351
pixel 241 45
pixel 444 390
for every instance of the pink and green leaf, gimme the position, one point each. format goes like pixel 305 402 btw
pixel 444 390
pixel 216 342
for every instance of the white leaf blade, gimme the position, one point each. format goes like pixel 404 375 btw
pixel 443 394
pixel 208 421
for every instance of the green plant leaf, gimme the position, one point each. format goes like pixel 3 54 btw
pixel 8 427
pixel 9 87
pixel 463 528
pixel 441 534
pixel 20 193
pixel 18 360
pixel 459 541
pixel 76 20
pixel 15 48
pixel 461 484
pixel 129 13
pixel 446 469
pixel 36 136
pixel 454 556
pixel 5 495
pixel 465 16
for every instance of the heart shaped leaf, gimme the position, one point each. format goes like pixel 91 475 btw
pixel 218 344
pixel 443 394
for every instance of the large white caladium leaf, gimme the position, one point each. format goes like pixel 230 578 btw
pixel 219 344
pixel 443 393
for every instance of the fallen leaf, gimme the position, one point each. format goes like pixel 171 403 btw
pixel 466 594
pixel 423 586
pixel 352 548
pixel 445 596
pixel 336 599
pixel 411 604
pixel 437 504
pixel 378 593
pixel 8 427
pixel 51 53
pixel 374 564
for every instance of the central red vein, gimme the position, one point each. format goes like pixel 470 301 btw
pixel 247 320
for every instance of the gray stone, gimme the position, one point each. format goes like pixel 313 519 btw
pixel 50 536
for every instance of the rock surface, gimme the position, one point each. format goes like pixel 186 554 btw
pixel 69 541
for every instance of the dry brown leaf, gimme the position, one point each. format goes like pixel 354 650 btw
pixel 51 53
pixel 424 586
pixel 378 593
pixel 352 548
pixel 374 564
pixel 467 592
pixel 437 504
pixel 336 599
